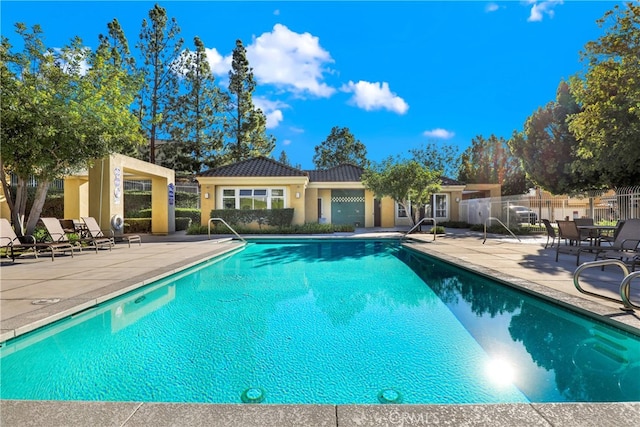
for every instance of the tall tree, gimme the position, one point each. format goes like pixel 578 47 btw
pixel 407 182
pixel 114 47
pixel 58 115
pixel 437 157
pixel 284 159
pixel 196 115
pixel 490 161
pixel 340 147
pixel 159 47
pixel 246 126
pixel 546 147
pixel 608 126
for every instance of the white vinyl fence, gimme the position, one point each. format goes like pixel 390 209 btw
pixel 611 206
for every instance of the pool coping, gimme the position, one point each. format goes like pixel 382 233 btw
pixel 77 413
pixel 577 304
pixel 133 414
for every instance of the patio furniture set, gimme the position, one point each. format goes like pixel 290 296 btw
pixel 56 239
pixel 621 242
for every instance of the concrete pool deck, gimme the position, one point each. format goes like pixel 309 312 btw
pixel 35 292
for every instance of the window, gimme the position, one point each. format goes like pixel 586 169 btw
pixel 277 198
pixel 440 203
pixel 401 212
pixel 228 199
pixel 253 198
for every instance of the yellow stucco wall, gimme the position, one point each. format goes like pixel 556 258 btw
pixel 306 207
pixel 105 195
pixel 207 202
pixel 454 208
pixel 5 212
pixel 76 196
pixel 214 186
pixel 368 208
pixel 311 205
pixel 387 212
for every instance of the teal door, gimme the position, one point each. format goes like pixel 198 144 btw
pixel 347 207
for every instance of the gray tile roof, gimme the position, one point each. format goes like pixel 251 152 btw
pixel 258 166
pixel 264 166
pixel 340 173
pixel 449 181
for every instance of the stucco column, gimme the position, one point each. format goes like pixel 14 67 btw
pixel 106 196
pixel 311 205
pixel 207 202
pixel 76 197
pixel 160 216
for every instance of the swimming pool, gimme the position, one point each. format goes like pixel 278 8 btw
pixel 324 322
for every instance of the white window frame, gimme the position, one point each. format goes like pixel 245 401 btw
pixel 400 209
pixel 269 195
pixel 437 213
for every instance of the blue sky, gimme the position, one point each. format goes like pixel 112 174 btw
pixel 397 74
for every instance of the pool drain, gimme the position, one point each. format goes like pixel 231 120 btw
pixel 389 395
pixel 252 395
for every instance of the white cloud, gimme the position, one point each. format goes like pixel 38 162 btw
pixel 219 65
pixel 538 10
pixel 296 130
pixel 291 61
pixel 491 7
pixel 276 12
pixel 439 133
pixel 272 110
pixel 375 96
pixel 65 63
pixel 286 142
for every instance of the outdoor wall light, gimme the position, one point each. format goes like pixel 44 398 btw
pixel 297 195
pixel 206 195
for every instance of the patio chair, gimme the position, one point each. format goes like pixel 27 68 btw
pixel 590 235
pixel 56 238
pixel 568 230
pixel 611 238
pixel 626 246
pixel 95 236
pixel 10 241
pixel 551 233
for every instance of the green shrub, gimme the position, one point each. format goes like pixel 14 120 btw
pixel 499 229
pixel 195 229
pixel 192 213
pixel 454 224
pixel 135 201
pixel 137 225
pixel 142 213
pixel 273 217
pixel 311 228
pixel 53 205
pixel 182 223
pixel 439 230
pixel 186 200
pixel 344 228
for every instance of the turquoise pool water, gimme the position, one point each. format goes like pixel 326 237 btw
pixel 324 322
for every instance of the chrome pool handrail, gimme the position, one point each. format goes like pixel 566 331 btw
pixel 625 284
pixel 228 226
pixel 419 223
pixel 501 223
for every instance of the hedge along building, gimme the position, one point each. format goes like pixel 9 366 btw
pixel 333 196
pixel 100 192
